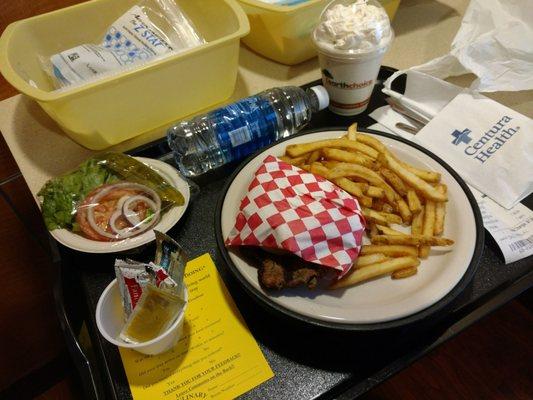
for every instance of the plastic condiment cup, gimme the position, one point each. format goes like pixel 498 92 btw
pixel 110 321
pixel 348 76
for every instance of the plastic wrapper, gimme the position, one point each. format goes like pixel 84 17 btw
pixel 109 198
pixel 150 30
pixel 170 256
pixel 300 213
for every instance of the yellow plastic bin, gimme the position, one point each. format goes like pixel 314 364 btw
pixel 283 33
pixel 113 109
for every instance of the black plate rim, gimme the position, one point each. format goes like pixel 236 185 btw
pixel 393 324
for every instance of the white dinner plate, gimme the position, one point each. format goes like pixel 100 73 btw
pixel 168 220
pixel 383 299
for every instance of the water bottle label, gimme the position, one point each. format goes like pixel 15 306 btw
pixel 240 136
pixel 245 127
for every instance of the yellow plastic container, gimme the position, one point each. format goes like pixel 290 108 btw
pixel 283 33
pixel 113 109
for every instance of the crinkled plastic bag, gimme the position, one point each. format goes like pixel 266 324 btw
pixel 150 30
pixel 110 197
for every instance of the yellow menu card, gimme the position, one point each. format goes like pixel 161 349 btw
pixel 216 357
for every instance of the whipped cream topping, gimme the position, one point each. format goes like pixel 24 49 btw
pixel 357 28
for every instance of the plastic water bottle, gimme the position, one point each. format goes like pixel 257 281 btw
pixel 237 130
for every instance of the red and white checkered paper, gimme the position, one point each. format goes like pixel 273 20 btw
pixel 291 209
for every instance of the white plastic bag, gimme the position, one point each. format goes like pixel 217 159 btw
pixel 149 30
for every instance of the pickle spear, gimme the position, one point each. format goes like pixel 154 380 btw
pixel 128 168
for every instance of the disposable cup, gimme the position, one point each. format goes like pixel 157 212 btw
pixel 349 75
pixel 110 321
pixel 349 81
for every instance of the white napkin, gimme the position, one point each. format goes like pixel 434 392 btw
pixel 490 145
pixel 495 42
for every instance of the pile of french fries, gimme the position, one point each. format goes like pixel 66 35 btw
pixel 389 191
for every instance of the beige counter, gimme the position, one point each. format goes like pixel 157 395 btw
pixel 424 30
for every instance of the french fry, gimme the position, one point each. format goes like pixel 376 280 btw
pixel 376 192
pixel 363 185
pixel 375 270
pixel 376 216
pixel 411 240
pixel 377 204
pixel 417 222
pixel 365 201
pixel 305 167
pixel 388 231
pixel 404 273
pixel 297 161
pixel 348 157
pixel 389 250
pixel 413 201
pixel 330 164
pixel 363 261
pixel 349 170
pixel 352 131
pixel 354 190
pixel 314 156
pixel 319 169
pixel 428 176
pixel 349 186
pixel 440 213
pixel 404 211
pixel 387 208
pixel 380 216
pixel 412 180
pixel 394 180
pixel 373 229
pixel 429 226
pixel 392 218
pixel 372 142
pixel 295 150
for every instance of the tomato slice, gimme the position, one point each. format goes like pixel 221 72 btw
pixel 81 217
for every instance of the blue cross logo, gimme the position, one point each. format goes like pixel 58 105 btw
pixel 461 136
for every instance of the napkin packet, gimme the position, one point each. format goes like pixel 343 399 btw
pixel 289 209
pixel 489 144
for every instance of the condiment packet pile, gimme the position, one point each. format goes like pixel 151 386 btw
pixel 289 209
pixel 164 278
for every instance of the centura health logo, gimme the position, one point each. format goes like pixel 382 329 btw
pixel 461 136
pixel 484 145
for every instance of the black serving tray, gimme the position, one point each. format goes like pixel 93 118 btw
pixel 308 361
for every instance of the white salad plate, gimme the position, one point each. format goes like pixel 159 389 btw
pixel 168 220
pixel 382 302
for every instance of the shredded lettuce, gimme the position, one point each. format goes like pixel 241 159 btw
pixel 60 196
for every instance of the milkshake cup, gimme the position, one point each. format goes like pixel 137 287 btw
pixel 351 39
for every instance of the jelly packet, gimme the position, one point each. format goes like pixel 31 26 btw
pixel 150 30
